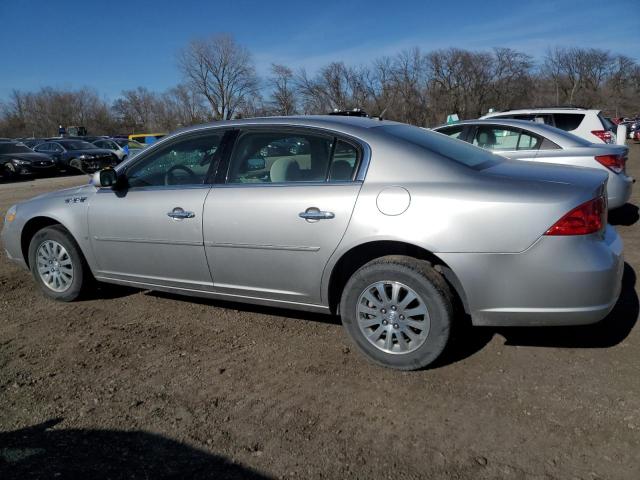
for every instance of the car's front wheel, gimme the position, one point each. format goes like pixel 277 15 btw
pixel 398 310
pixel 57 264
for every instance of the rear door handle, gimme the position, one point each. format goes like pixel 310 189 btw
pixel 179 213
pixel 313 213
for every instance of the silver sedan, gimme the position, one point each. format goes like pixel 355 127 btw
pixel 537 142
pixel 398 230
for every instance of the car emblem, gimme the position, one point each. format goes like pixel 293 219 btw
pixel 75 200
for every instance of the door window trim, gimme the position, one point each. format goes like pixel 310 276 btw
pixel 209 176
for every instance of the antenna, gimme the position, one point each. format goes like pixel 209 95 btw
pixel 381 116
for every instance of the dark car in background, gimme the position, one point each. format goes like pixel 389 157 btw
pixel 31 142
pixel 77 155
pixel 16 159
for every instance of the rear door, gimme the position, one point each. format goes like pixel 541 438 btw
pixel 282 210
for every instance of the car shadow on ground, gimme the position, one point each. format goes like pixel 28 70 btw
pixel 41 451
pixel 626 215
pixel 612 330
pixel 247 307
pixel 467 340
pixel 110 291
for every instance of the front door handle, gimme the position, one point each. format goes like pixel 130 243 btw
pixel 313 213
pixel 179 213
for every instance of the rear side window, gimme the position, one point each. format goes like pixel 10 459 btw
pixel 568 121
pixel 280 157
pixel 459 152
pixel 496 138
pixel 344 162
pixel 528 142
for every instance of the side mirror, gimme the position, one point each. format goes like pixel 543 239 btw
pixel 105 178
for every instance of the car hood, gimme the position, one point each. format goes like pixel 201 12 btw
pixel 91 151
pixel 30 156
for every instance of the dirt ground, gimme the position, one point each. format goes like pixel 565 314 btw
pixel 137 384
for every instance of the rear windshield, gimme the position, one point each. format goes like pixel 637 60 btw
pixel 456 150
pixel 14 148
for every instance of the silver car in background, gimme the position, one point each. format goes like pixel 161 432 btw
pixel 537 142
pixel 397 229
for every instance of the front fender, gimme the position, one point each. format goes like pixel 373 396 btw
pixel 68 208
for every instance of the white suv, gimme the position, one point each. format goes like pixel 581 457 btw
pixel 588 124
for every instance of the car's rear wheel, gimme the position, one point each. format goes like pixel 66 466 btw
pixel 57 264
pixel 398 311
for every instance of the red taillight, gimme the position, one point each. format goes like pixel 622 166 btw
pixel 589 217
pixel 604 135
pixel 614 163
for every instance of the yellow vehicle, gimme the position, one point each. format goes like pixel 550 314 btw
pixel 146 138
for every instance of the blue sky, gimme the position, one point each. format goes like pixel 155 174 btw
pixel 115 45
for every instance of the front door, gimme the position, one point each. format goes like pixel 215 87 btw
pixel 270 229
pixel 151 231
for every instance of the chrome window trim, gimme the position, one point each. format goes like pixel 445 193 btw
pixel 360 176
pixel 286 184
pixel 158 187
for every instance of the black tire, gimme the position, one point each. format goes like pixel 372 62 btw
pixel 81 273
pixel 432 290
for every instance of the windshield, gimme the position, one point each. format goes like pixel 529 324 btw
pixel 123 142
pixel 14 148
pixel 77 145
pixel 456 150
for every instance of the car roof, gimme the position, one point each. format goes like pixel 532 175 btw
pixel 348 125
pixel 322 121
pixel 546 110
pixel 564 139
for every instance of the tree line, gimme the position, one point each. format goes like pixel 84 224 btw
pixel 219 81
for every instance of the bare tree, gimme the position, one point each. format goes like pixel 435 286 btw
pixel 136 109
pixel 412 86
pixel 283 93
pixel 220 70
pixel 183 107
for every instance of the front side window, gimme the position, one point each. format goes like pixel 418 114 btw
pixel 280 157
pixel 184 162
pixel 43 147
